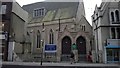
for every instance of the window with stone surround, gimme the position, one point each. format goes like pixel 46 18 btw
pixel 38 39
pixel 114 16
pixel 117 15
pixel 51 37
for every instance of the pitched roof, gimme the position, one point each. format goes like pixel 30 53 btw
pixel 49 5
pixel 54 10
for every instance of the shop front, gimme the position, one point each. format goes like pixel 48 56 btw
pixel 113 54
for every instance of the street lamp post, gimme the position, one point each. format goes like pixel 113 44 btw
pixel 41 51
pixel 31 40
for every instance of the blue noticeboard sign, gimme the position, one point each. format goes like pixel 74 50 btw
pixel 112 46
pixel 50 48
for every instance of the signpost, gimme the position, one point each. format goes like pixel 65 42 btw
pixel 50 52
pixel 42 50
pixel 50 48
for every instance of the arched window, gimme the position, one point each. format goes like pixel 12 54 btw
pixel 112 16
pixel 117 15
pixel 38 39
pixel 51 37
pixel 84 28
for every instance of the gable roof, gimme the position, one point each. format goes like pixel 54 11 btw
pixel 54 10
pixel 49 5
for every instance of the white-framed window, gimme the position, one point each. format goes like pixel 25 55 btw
pixel 114 16
pixel 115 32
pixel 3 9
pixel 39 12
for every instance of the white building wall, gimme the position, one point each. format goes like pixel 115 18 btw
pixel 104 26
pixel 105 35
pixel 99 39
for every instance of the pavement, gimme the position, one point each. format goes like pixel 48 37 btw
pixel 61 64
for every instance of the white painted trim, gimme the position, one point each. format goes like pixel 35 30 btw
pixel 39 14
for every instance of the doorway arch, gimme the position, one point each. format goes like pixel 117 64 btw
pixel 66 48
pixel 81 46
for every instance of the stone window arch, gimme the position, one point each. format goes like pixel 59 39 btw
pixel 51 37
pixel 117 15
pixel 84 28
pixel 112 16
pixel 38 39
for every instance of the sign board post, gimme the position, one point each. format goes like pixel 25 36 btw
pixel 50 48
pixel 50 51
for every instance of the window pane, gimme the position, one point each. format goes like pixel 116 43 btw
pixel 113 33
pixel 35 13
pixel 109 55
pixel 118 33
pixel 42 12
pixel 116 54
pixel 52 38
pixel 39 12
pixel 117 15
pixel 38 39
pixel 3 9
pixel 37 42
pixel 84 28
pixel 112 16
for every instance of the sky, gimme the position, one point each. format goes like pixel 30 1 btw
pixel 88 4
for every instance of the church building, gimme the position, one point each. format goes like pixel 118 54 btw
pixel 54 26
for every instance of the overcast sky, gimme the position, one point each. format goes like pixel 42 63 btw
pixel 89 6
